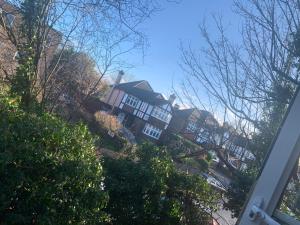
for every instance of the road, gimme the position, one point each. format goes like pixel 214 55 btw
pixel 223 217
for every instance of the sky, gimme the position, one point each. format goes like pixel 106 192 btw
pixel 175 24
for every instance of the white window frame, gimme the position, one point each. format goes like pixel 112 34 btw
pixel 132 101
pixel 149 110
pixel 161 114
pixel 268 189
pixel 152 131
pixel 203 136
pixel 143 107
pixel 140 114
pixel 191 126
pixel 146 117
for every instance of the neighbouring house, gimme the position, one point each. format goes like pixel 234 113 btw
pixel 196 125
pixel 12 18
pixel 237 151
pixel 139 108
pixel 201 127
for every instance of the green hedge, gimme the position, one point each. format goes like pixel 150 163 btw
pixel 49 172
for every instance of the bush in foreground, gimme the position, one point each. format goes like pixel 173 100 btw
pixel 150 191
pixel 49 173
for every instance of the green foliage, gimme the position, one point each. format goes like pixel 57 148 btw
pixel 178 146
pixel 209 157
pixel 238 191
pixel 21 84
pixel 116 143
pixel 203 164
pixel 49 173
pixel 29 51
pixel 274 112
pixel 150 191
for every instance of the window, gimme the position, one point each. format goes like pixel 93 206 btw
pixel 203 136
pixel 8 17
pixel 152 131
pixel 191 126
pixel 161 114
pixel 143 107
pixel 10 20
pixel 146 117
pixel 140 114
pixel 149 110
pixel 48 41
pixel 132 101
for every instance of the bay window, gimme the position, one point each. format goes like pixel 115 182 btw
pixel 152 131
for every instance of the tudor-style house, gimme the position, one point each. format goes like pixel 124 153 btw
pixel 145 113
pixel 11 19
pixel 236 148
pixel 196 125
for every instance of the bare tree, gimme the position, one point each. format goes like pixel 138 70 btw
pixel 243 77
pixel 105 29
pixel 75 77
pixel 252 80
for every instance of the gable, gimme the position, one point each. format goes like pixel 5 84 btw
pixel 160 96
pixel 144 85
pixel 196 115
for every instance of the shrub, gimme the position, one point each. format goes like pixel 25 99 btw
pixel 49 172
pixel 108 122
pixel 107 126
pixel 150 191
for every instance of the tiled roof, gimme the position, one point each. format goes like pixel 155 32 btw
pixel 129 84
pixel 145 95
pixel 185 114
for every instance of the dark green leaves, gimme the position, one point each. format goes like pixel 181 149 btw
pixel 49 173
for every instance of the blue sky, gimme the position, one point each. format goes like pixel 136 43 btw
pixel 166 29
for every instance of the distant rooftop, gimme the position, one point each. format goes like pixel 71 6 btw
pixel 144 91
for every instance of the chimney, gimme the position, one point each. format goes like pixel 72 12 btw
pixel 172 98
pixel 119 77
pixel 176 106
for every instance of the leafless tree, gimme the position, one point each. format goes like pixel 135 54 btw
pixel 104 29
pixel 243 77
pixel 75 77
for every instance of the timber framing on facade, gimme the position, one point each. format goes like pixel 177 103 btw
pixel 145 112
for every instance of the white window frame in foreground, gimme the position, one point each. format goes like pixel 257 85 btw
pixel 131 101
pixel 152 131
pixel 269 187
